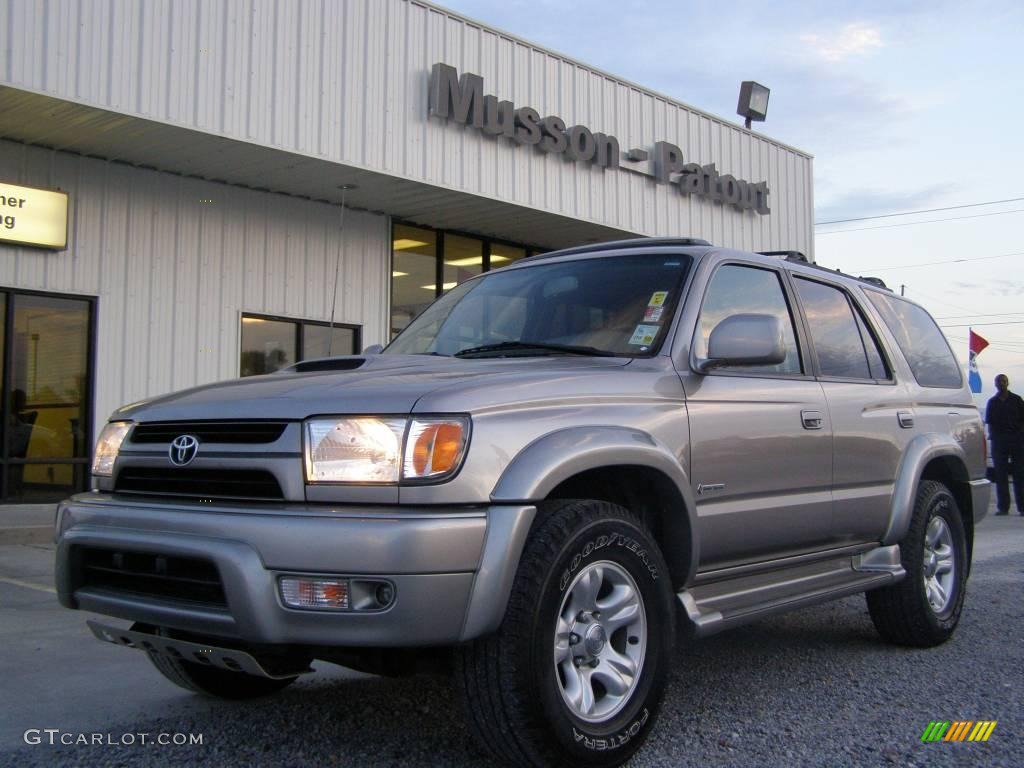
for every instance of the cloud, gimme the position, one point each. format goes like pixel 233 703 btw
pixel 856 39
pixel 870 202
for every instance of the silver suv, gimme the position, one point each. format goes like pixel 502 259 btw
pixel 553 469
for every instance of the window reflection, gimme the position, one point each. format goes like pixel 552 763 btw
pixel 736 290
pixel 47 396
pixel 837 340
pixel 319 341
pixel 267 345
pixel 416 253
pixel 463 258
pixel 503 255
pixel 413 273
pixel 919 338
pixel 270 344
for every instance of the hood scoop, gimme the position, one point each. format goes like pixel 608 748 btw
pixel 327 364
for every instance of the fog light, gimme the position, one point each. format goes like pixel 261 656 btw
pixel 385 593
pixel 318 594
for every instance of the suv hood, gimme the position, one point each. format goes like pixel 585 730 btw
pixel 378 384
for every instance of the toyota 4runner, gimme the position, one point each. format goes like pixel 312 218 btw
pixel 556 467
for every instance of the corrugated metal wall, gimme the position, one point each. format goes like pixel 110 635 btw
pixel 347 80
pixel 173 272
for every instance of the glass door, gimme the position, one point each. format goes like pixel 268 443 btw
pixel 47 396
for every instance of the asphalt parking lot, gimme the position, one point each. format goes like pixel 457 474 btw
pixel 816 687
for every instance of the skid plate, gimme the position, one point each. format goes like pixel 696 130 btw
pixel 183 650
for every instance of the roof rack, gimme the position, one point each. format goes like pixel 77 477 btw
pixel 877 282
pixel 635 242
pixel 799 258
pixel 787 255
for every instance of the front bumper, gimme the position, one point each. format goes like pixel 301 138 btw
pixel 452 568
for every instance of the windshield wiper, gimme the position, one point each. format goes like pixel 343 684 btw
pixel 527 345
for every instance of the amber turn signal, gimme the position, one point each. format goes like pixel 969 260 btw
pixel 434 448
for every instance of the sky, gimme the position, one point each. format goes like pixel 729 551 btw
pixel 906 106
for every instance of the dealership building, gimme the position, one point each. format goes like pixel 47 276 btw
pixel 197 190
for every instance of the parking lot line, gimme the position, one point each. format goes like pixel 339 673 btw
pixel 28 585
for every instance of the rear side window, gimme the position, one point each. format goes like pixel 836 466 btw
pixel 919 338
pixel 842 343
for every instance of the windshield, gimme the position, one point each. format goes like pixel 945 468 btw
pixel 620 306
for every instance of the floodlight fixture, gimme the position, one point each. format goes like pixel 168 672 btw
pixel 753 103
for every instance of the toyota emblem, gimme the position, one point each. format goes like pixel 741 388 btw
pixel 183 450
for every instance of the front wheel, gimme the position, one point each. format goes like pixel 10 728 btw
pixel 576 672
pixel 924 609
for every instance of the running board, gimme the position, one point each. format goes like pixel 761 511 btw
pixel 719 605
pixel 181 650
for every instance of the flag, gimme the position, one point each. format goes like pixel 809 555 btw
pixel 977 344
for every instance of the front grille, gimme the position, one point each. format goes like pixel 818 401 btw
pixel 233 432
pixel 200 483
pixel 140 574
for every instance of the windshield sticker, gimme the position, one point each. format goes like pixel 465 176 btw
pixel 653 314
pixel 658 299
pixel 644 335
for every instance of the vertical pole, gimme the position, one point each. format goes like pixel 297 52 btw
pixel 337 270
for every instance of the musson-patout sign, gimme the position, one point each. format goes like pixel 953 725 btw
pixel 462 100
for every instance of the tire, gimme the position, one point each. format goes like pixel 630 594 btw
pixel 924 608
pixel 214 681
pixel 525 695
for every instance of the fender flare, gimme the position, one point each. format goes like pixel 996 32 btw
pixel 548 461
pixel 921 450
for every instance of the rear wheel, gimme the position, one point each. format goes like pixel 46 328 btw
pixel 923 610
pixel 576 672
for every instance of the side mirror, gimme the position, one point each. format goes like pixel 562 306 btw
pixel 745 340
pixel 373 349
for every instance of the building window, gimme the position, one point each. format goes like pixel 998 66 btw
pixel 426 263
pixel 463 258
pixel 272 343
pixel 413 273
pixel 46 366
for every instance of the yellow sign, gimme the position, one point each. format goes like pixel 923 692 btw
pixel 32 216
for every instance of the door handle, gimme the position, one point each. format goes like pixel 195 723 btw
pixel 812 419
pixel 905 418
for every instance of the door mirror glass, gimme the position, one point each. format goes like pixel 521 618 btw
pixel 745 339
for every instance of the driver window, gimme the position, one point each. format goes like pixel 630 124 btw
pixel 737 289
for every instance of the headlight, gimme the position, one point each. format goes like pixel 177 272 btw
pixel 365 449
pixel 107 446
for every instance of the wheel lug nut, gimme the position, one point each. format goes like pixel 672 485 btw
pixel 595 662
pixel 578 661
pixel 574 639
pixel 583 618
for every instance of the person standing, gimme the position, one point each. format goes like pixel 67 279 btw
pixel 1005 418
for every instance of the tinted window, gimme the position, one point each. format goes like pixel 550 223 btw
pixel 621 305
pixel 736 290
pixel 270 344
pixel 919 338
pixel 838 343
pixel 876 361
pixel 267 345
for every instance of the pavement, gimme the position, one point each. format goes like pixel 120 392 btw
pixel 813 687
pixel 26 523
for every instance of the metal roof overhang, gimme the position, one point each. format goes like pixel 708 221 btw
pixel 41 120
